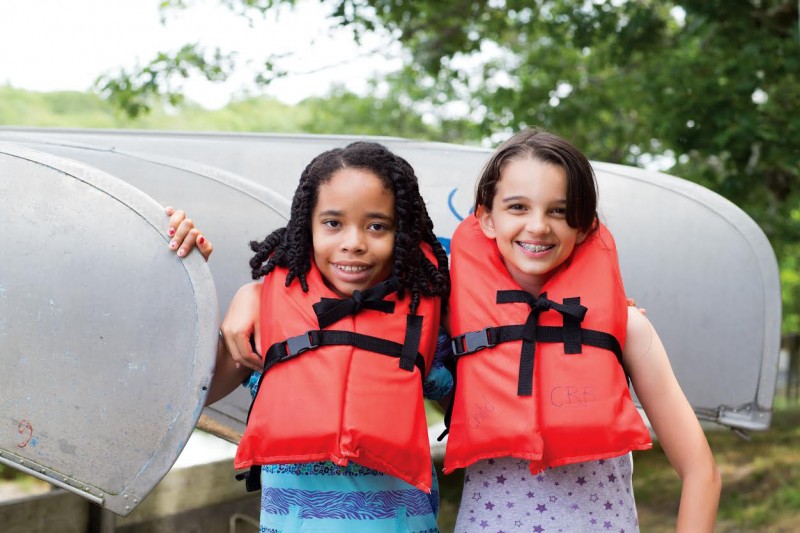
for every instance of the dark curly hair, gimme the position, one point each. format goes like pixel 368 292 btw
pixel 290 247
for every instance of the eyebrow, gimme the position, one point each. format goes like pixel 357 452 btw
pixel 380 216
pixel 337 213
pixel 518 197
pixel 513 198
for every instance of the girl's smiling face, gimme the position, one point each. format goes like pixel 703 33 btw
pixel 353 231
pixel 528 221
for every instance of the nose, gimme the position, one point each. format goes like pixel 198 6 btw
pixel 537 223
pixel 353 241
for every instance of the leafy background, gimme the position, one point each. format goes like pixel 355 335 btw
pixel 708 90
pixel 704 89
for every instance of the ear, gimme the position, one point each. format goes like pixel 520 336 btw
pixel 487 223
pixel 581 237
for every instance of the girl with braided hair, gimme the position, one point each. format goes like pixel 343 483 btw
pixel 350 305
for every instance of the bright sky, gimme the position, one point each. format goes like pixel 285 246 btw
pixel 48 45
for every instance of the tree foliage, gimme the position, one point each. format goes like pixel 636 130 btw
pixel 339 112
pixel 135 91
pixel 708 83
pixel 707 88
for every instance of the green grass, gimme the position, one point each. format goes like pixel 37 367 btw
pixel 760 480
pixel 433 412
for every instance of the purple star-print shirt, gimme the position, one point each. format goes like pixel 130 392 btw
pixel 502 495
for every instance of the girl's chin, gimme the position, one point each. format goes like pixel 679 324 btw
pixel 345 288
pixel 344 283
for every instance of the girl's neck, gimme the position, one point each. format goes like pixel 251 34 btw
pixel 531 284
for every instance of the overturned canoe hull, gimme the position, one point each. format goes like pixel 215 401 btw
pixel 699 265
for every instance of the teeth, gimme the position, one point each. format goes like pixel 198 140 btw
pixel 349 268
pixel 535 247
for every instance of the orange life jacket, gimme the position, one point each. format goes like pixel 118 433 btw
pixel 329 391
pixel 539 378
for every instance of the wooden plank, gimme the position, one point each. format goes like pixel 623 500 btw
pixel 185 489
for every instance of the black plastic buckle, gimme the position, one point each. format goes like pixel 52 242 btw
pixel 471 342
pixel 252 478
pixel 301 343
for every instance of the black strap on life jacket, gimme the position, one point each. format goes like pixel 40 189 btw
pixel 571 334
pixel 450 363
pixel 330 311
pixel 252 478
pixel 407 353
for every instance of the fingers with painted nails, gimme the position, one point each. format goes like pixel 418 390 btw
pixel 184 235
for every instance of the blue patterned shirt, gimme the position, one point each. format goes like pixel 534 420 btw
pixel 325 497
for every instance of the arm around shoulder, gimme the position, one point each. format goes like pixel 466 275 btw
pixel 674 423
pixel 235 357
pixel 227 375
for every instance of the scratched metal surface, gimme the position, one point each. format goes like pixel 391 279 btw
pixel 229 209
pixel 107 340
pixel 709 280
pixel 702 268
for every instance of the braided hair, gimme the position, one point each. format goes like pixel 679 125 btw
pixel 290 247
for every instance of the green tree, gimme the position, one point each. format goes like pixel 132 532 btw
pixel 393 114
pixel 708 88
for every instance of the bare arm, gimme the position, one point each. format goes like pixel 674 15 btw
pixel 674 423
pixel 235 358
pixel 227 375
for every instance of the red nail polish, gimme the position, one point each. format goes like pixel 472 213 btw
pixel 201 240
pixel 171 232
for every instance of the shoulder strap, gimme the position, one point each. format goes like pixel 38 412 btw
pixel 570 334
